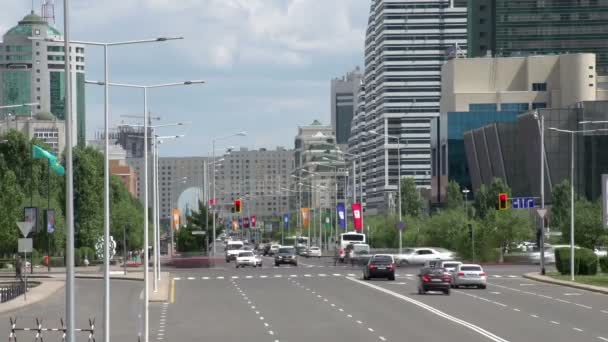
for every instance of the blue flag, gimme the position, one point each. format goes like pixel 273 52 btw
pixel 341 215
pixel 286 221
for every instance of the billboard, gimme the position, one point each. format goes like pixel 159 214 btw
pixel 50 221
pixel 31 215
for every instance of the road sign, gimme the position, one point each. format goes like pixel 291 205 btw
pixel 400 225
pixel 25 227
pixel 25 245
pixel 199 232
pixel 522 202
pixel 541 212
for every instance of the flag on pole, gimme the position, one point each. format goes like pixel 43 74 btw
pixel 341 215
pixel 357 216
pixel 253 221
pixel 40 153
pixel 327 219
pixel 246 222
pixel 286 221
pixel 305 216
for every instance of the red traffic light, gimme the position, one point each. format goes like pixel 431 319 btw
pixel 237 206
pixel 503 201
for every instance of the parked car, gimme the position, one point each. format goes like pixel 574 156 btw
pixel 469 275
pixel 380 266
pixel 286 255
pixel 246 258
pixel 418 256
pixel 434 279
pixel 314 251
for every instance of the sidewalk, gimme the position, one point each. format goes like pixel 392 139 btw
pixel 36 294
pixel 549 280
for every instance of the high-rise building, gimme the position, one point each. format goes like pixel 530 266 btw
pixel 343 93
pixel 529 27
pixel 260 178
pixel 42 126
pixel 32 71
pixel 406 44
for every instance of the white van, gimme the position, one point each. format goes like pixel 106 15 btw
pixel 232 249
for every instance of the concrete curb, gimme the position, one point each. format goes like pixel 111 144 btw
pixel 35 295
pixel 549 280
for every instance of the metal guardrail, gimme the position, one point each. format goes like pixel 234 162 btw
pixel 11 291
pixel 39 330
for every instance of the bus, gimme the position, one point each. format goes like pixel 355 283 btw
pixel 352 237
pixel 296 241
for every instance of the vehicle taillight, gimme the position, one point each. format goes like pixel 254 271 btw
pixel 372 267
pixel 426 278
pixel 482 274
pixel 391 267
pixel 460 274
pixel 447 278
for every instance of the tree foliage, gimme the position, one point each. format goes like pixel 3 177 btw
pixel 560 205
pixel 455 195
pixel 411 203
pixel 198 220
pixel 486 199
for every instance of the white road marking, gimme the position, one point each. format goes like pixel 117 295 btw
pixel 220 277
pixel 497 293
pixel 294 275
pixel 602 338
pixel 261 318
pixel 526 284
pixel 190 278
pixel 604 311
pixel 325 300
pixel 341 310
pixel 249 277
pixel 359 322
pixel 351 275
pixel 257 312
pixel 307 275
pixel 370 329
pixel 205 278
pixel 277 276
pixel 271 332
pixel 497 276
pixel 513 276
pixel 554 322
pixel 337 275
pixel 572 294
pixel 516 310
pixel 434 311
pixel 535 316
pixel 322 275
pixel 563 301
pixel 349 316
pixel 577 329
pixel 265 324
pixel 332 304
pixel 544 296
pixel 177 278
pixel 382 338
pixel 583 306
pixel 235 277
pixel 253 307
pixel 263 276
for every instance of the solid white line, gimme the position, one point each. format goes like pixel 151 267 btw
pixel 604 311
pixel 602 338
pixel 431 309
pixel 577 329
pixel 583 306
pixel 554 322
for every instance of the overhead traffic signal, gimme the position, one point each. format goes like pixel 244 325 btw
pixel 237 206
pixel 503 201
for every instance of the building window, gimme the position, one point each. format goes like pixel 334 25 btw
pixel 538 105
pixel 539 86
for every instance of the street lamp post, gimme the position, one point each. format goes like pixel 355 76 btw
pixel 145 88
pixel 541 126
pixel 465 192
pixel 242 134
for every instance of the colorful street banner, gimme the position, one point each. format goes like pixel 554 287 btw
pixel 285 221
pixel 357 216
pixel 341 212
pixel 253 221
pixel 212 201
pixel 235 225
pixel 305 217
pixel 245 222
pixel 40 153
pixel 176 213
pixel 31 215
pixel 50 221
pixel 327 219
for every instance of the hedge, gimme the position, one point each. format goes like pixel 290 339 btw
pixel 585 261
pixel 604 264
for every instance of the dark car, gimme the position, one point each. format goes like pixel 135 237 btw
pixel 380 266
pixel 286 255
pixel 266 249
pixel 434 279
pixel 360 258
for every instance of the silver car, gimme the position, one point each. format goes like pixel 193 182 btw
pixel 469 275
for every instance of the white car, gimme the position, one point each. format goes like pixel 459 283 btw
pixel 601 251
pixel 314 252
pixel 420 255
pixel 246 258
pixel 469 275
pixel 233 248
pixel 274 249
pixel 258 260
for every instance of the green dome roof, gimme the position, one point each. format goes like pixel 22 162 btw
pixel 24 28
pixel 33 18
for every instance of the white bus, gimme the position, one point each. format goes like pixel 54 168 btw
pixel 352 237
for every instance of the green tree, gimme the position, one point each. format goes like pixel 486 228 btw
pixel 588 229
pixel 411 203
pixel 486 199
pixel 127 214
pixel 11 212
pixel 88 196
pixel 501 229
pixel 455 196
pixel 560 205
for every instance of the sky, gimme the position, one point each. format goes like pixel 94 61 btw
pixel 267 63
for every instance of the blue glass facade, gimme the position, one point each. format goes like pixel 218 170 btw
pixel 458 123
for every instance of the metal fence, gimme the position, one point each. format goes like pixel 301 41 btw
pixel 10 291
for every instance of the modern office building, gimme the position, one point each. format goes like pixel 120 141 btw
pixel 511 151
pixel 319 167
pixel 32 71
pixel 343 98
pixel 260 178
pixel 481 91
pixel 43 126
pixel 405 46
pixel 538 27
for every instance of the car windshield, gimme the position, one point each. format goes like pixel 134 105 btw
pixel 382 259
pixel 290 250
pixel 246 254
pixel 470 268
pixel 234 247
pixel 314 248
pixel 450 265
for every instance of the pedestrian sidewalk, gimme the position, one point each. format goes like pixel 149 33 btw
pixel 46 289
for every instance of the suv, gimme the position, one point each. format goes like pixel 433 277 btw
pixel 233 248
pixel 286 255
pixel 380 266
pixel 434 279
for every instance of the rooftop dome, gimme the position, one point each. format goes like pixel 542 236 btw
pixel 24 27
pixel 32 18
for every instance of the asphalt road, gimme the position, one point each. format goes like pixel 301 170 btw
pixel 321 302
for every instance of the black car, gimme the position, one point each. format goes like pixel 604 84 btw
pixel 434 279
pixel 286 255
pixel 266 249
pixel 380 266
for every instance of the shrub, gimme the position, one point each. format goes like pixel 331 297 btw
pixel 57 262
pixel 585 261
pixel 604 264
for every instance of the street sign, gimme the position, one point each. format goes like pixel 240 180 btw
pixel 25 245
pixel 541 212
pixel 400 225
pixel 522 202
pixel 199 232
pixel 25 227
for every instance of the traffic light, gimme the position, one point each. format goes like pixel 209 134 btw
pixel 237 206
pixel 503 201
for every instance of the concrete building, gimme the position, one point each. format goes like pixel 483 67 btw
pixel 481 91
pixel 42 126
pixel 320 170
pixel 260 178
pixel 32 71
pixel 503 28
pixel 510 151
pixel 126 173
pixel 343 101
pixel 405 46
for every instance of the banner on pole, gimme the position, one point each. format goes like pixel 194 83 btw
pixel 246 222
pixel 31 215
pixel 357 216
pixel 50 221
pixel 305 217
pixel 285 221
pixel 341 209
pixel 176 214
pixel 327 219
pixel 212 201
pixel 253 221
pixel 235 225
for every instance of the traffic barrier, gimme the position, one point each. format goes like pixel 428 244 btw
pixel 11 291
pixel 39 330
